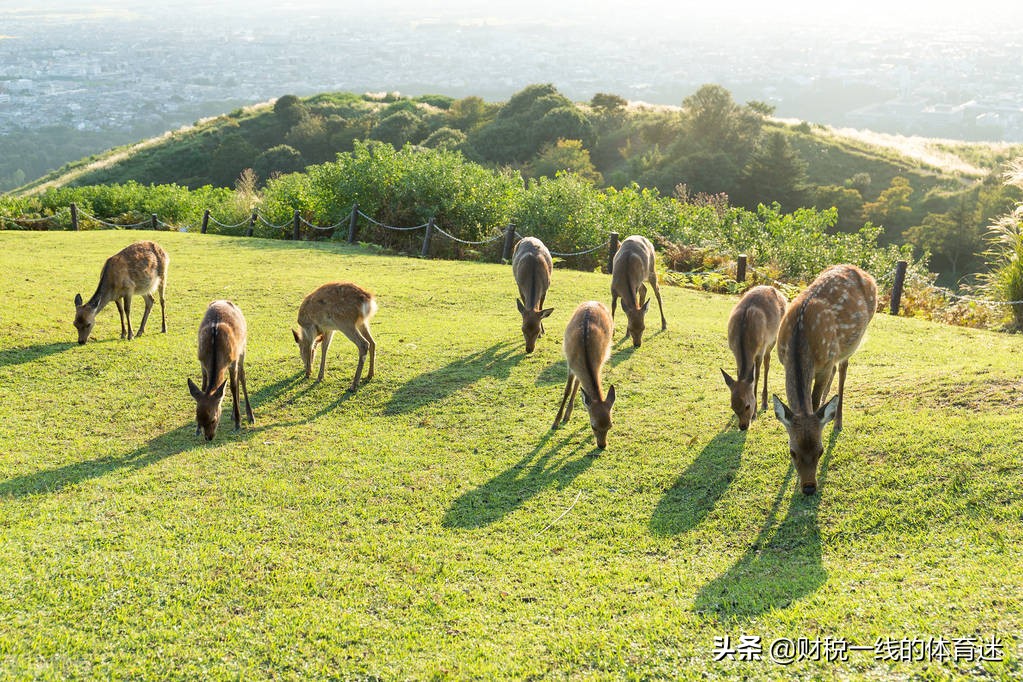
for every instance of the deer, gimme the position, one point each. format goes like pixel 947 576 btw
pixel 336 306
pixel 222 339
pixel 632 266
pixel 138 269
pixel 820 331
pixel 587 347
pixel 752 333
pixel 532 265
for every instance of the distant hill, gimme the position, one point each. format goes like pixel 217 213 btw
pixel 709 145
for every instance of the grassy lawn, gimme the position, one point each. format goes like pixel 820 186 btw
pixel 431 525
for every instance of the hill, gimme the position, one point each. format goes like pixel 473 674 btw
pixel 431 525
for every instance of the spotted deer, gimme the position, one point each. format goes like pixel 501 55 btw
pixel 820 331
pixel 336 306
pixel 139 269
pixel 752 332
pixel 587 347
pixel 222 339
pixel 532 265
pixel 633 265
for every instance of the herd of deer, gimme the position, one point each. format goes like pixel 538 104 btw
pixel 816 335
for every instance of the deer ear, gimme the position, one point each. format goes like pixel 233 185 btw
pixel 518 304
pixel 298 339
pixel 78 300
pixel 782 412
pixel 219 393
pixel 193 389
pixel 546 313
pixel 610 398
pixel 646 306
pixel 729 381
pixel 828 411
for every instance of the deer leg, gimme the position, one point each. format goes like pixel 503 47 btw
pixel 842 367
pixel 660 306
pixel 127 316
pixel 245 389
pixel 571 399
pixel 163 311
pixel 564 399
pixel 324 345
pixel 363 346
pixel 364 330
pixel 145 314
pixel 614 304
pixel 120 313
pixel 767 367
pixel 233 370
pixel 756 382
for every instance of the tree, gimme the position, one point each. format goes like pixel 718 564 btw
pixel 714 121
pixel 955 237
pixel 278 160
pixel 290 110
pixel 891 208
pixel 608 104
pixel 762 108
pixel 470 113
pixel 847 201
pixel 563 123
pixel 445 138
pixel 233 155
pixel 398 128
pixel 565 155
pixel 775 173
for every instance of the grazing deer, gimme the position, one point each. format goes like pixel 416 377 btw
pixel 222 337
pixel 634 264
pixel 587 347
pixel 337 306
pixel 820 331
pixel 531 265
pixel 752 332
pixel 137 269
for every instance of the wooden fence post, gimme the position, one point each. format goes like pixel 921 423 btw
pixel 612 249
pixel 509 238
pixel 900 278
pixel 74 218
pixel 353 223
pixel 297 225
pixel 205 221
pixel 426 239
pixel 252 225
pixel 740 268
pixel 153 221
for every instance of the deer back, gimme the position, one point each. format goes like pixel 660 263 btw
pixel 633 264
pixel 587 345
pixel 336 305
pixel 752 333
pixel 532 265
pixel 222 339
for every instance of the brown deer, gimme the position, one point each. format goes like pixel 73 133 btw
pixel 587 347
pixel 634 264
pixel 752 332
pixel 222 338
pixel 337 306
pixel 139 269
pixel 820 331
pixel 532 265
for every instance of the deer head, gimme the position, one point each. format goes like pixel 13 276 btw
pixel 307 341
pixel 637 322
pixel 85 319
pixel 600 415
pixel 744 399
pixel 805 442
pixel 207 408
pixel 532 326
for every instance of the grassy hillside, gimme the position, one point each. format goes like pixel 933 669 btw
pixel 432 526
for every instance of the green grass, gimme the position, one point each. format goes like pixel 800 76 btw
pixel 431 525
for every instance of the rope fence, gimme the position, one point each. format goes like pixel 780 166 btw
pixel 897 276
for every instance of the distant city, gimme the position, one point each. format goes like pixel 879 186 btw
pixel 130 68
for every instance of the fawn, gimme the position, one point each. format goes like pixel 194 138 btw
pixel 752 332
pixel 137 269
pixel 634 264
pixel 336 306
pixel 820 331
pixel 587 347
pixel 222 338
pixel 531 265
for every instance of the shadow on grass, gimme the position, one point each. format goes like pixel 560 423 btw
pixel 496 361
pixel 782 565
pixel 507 491
pixel 19 356
pixel 173 442
pixel 554 373
pixel 698 489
